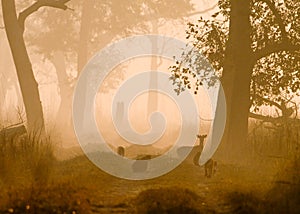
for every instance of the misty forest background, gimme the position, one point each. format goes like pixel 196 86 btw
pixel 254 47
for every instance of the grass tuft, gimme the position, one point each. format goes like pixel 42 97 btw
pixel 26 158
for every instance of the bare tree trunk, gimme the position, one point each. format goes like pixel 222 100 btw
pixel 152 97
pixel 82 56
pixel 63 116
pixel 2 70
pixel 236 78
pixel 28 84
pixel 84 33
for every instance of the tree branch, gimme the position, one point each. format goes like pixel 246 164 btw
pixel 264 118
pixel 202 11
pixel 278 18
pixel 269 49
pixel 268 101
pixel 274 120
pixel 60 4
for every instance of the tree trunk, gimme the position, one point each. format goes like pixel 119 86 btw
pixel 152 97
pixel 82 55
pixel 85 27
pixel 63 116
pixel 28 84
pixel 236 78
pixel 3 89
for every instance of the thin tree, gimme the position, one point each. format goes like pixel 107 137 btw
pixel 14 27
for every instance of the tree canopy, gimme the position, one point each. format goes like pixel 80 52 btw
pixel 275 45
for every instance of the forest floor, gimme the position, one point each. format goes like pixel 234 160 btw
pixel 78 186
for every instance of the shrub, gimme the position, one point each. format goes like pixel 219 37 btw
pixel 168 200
pixel 245 203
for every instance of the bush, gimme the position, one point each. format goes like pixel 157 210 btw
pixel 168 200
pixel 245 203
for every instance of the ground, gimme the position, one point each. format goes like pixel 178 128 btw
pixel 78 186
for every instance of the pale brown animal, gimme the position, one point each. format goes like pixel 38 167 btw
pixel 210 166
pixel 121 151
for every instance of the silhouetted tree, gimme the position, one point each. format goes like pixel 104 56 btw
pixel 15 26
pixel 254 47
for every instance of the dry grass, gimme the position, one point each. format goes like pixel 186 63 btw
pixel 52 198
pixel 33 181
pixel 279 194
pixel 27 183
pixel 28 159
pixel 169 200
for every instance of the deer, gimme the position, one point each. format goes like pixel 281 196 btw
pixel 121 151
pixel 211 165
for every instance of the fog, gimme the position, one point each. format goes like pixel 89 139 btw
pixel 197 110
